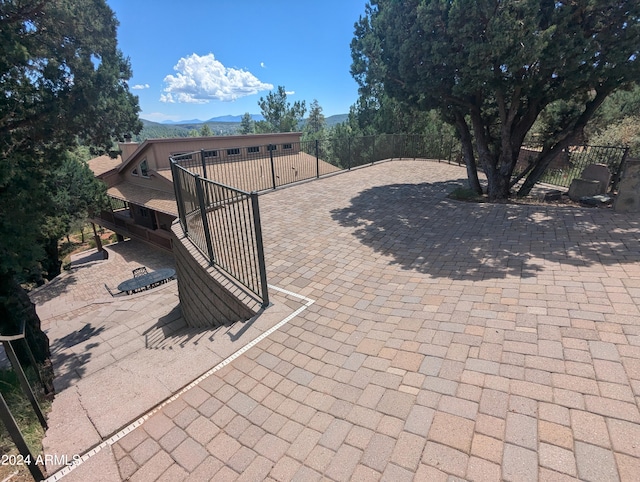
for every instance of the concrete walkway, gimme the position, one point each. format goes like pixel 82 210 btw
pixel 118 358
pixel 445 341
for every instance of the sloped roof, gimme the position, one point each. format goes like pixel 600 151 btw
pixel 102 164
pixel 163 202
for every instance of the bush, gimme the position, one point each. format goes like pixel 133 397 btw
pixel 465 194
pixel 624 133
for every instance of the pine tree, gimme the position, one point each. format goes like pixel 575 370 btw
pixel 246 124
pixel 491 69
pixel 280 115
pixel 61 86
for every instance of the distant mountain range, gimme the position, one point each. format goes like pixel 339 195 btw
pixel 331 120
pixel 222 118
pixel 225 125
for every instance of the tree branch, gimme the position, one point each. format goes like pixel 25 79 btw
pixel 20 15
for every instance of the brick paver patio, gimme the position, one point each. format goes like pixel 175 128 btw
pixel 447 341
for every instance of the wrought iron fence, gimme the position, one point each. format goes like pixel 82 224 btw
pixel 570 164
pixel 11 343
pixel 223 223
pixel 259 168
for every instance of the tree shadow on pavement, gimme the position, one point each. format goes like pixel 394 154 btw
pixel 70 364
pixel 422 230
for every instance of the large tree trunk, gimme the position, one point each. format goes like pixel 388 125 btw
pixel 472 174
pixel 541 165
pixel 467 154
pixel 534 176
pixel 497 185
pixel 51 264
pixel 16 308
pixel 497 162
pixel 565 138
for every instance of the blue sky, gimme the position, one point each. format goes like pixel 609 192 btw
pixel 197 59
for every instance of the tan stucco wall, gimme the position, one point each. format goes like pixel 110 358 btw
pixel 158 151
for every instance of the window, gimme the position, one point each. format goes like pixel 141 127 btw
pixel 207 154
pixel 272 147
pixel 144 168
pixel 134 172
pixel 287 146
pixel 233 152
pixel 144 212
pixel 253 149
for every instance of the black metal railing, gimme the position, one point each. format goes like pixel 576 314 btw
pixel 570 163
pixel 264 167
pixel 11 343
pixel 223 223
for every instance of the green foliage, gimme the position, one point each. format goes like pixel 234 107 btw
pixel 22 411
pixel 247 124
pixel 622 133
pixel 491 69
pixel 620 110
pixel 75 195
pixel 205 131
pixel 315 125
pixel 464 194
pixel 64 82
pixel 61 85
pixel 279 115
pixel 155 130
pixel 616 109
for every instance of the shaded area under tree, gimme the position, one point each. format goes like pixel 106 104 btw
pixel 471 241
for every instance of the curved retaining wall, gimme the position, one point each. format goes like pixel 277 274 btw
pixel 208 297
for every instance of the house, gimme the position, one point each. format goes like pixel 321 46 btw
pixel 140 185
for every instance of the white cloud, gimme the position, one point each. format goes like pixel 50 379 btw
pixel 263 65
pixel 200 80
pixel 290 92
pixel 140 86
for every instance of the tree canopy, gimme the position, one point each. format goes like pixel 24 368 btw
pixel 280 115
pixel 246 124
pixel 492 67
pixel 315 126
pixel 64 83
pixel 75 195
pixel 61 86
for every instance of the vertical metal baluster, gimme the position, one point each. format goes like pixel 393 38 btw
pixel 260 245
pixel 24 383
pixel 18 439
pixel 205 221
